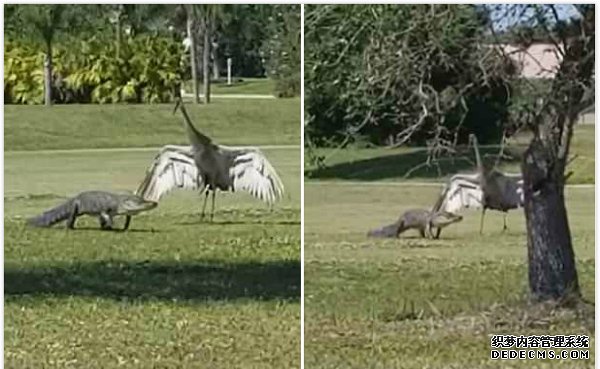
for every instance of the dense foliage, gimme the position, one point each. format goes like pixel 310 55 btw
pixel 135 53
pixel 148 69
pixel 240 34
pixel 391 74
pixel 23 76
pixel 283 49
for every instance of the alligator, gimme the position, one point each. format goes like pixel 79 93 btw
pixel 423 220
pixel 103 204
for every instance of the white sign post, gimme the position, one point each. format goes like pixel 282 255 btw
pixel 229 71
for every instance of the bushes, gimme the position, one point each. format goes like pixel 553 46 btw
pixel 148 69
pixel 23 74
pixel 283 49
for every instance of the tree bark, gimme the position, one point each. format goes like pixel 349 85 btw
pixel 48 75
pixel 206 60
pixel 193 60
pixel 552 272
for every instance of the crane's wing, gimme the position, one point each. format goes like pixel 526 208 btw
pixel 461 192
pixel 172 168
pixel 250 171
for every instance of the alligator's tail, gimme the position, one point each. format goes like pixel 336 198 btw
pixel 388 231
pixel 52 216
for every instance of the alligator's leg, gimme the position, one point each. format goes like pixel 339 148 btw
pixel 127 221
pixel 73 216
pixel 429 230
pixel 106 221
pixel 400 228
pixel 422 232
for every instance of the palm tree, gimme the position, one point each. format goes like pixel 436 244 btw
pixel 190 12
pixel 43 21
pixel 207 16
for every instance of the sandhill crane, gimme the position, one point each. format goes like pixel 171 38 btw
pixel 486 189
pixel 206 166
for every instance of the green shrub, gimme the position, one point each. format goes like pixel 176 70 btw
pixel 23 74
pixel 148 69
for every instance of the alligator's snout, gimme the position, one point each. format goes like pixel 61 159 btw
pixel 133 208
pixel 147 205
pixel 445 218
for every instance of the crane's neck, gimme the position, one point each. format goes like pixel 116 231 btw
pixel 195 136
pixel 438 204
pixel 480 167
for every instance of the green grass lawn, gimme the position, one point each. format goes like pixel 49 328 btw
pixel 172 292
pixel 233 122
pixel 384 164
pixel 239 86
pixel 416 303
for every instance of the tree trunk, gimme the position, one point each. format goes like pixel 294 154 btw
pixel 206 60
pixel 48 75
pixel 552 273
pixel 193 60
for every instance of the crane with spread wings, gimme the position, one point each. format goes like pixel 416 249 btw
pixel 486 189
pixel 206 166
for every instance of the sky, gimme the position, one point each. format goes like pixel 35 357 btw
pixel 502 20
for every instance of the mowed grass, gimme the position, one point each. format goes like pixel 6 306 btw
pixel 404 163
pixel 239 86
pixel 416 303
pixel 172 292
pixel 227 121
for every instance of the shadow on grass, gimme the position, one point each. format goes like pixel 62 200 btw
pixel 408 164
pixel 239 222
pixel 193 282
pixel 96 229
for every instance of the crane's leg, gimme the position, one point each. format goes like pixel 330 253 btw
pixel 204 206
pixel 505 227
pixel 212 211
pixel 481 223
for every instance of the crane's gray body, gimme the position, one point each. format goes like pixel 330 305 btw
pixel 215 162
pixel 422 220
pixel 105 205
pixel 499 191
